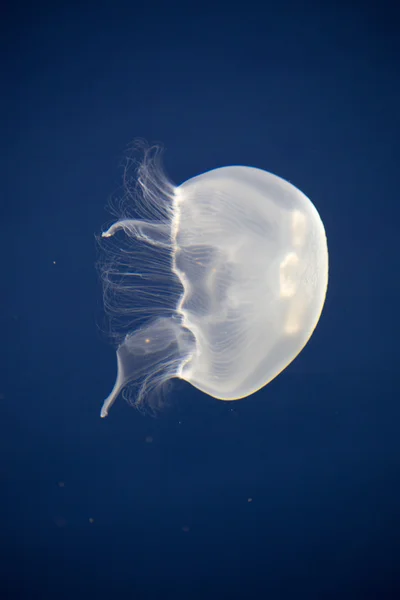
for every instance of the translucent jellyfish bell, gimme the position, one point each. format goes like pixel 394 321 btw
pixel 221 282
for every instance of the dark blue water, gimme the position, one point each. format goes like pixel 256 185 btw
pixel 292 493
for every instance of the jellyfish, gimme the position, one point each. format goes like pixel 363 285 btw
pixel 219 281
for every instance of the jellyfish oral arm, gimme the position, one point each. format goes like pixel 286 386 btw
pixel 156 234
pixel 109 401
pixel 111 398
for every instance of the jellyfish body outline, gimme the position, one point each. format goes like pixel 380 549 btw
pixel 234 264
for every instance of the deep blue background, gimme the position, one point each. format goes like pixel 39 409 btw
pixel 135 507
